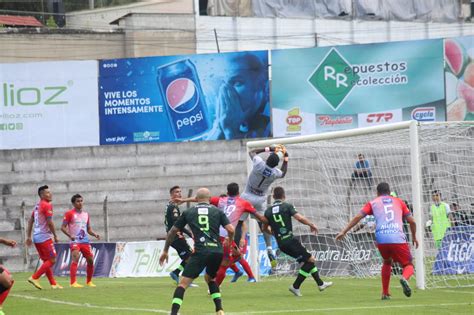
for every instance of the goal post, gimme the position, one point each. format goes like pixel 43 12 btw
pixel 414 158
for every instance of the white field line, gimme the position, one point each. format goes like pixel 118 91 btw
pixel 352 308
pixel 87 305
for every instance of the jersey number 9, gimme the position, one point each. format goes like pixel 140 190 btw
pixel 204 222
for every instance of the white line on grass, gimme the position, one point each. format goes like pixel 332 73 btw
pixel 454 291
pixel 87 305
pixel 335 309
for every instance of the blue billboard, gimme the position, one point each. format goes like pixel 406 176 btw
pixel 184 98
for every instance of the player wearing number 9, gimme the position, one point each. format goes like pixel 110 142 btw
pixel 389 213
pixel 204 221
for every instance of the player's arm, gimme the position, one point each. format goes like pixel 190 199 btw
pixel 4 241
pixel 169 237
pixel 284 165
pixel 29 229
pixel 243 233
pixel 359 227
pixel 230 232
pixel 90 232
pixel 52 228
pixel 302 219
pixel 66 232
pixel 349 226
pixel 412 223
pixel 260 217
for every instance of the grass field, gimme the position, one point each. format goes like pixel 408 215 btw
pixel 270 296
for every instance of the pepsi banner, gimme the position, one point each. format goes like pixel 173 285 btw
pixel 184 98
pixel 104 254
pixel 456 255
pixel 325 89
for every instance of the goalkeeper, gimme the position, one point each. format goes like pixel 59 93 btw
pixel 263 174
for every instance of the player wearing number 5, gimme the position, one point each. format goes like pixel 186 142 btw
pixel 391 240
pixel 204 221
pixel 76 226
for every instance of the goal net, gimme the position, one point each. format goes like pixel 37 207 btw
pixel 331 176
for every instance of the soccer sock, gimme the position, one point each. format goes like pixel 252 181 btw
pixel 42 269
pixel 303 274
pixel 50 276
pixel 89 272
pixel 386 272
pixel 315 273
pixel 178 297
pixel 246 267
pixel 180 268
pixel 221 274
pixel 73 272
pixel 234 268
pixel 4 294
pixel 408 271
pixel 215 294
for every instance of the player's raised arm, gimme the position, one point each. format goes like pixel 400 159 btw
pixel 284 165
pixel 349 226
pixel 301 218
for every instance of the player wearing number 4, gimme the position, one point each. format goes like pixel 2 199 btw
pixel 204 221
pixel 76 226
pixel 391 241
pixel 263 174
pixel 279 217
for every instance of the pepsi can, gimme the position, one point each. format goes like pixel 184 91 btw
pixel 184 101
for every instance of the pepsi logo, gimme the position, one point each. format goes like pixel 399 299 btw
pixel 424 114
pixel 182 95
pixel 294 120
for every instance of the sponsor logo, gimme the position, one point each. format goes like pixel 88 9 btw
pixel 33 95
pixel 182 95
pixel 146 136
pixel 115 139
pixel 424 114
pixel 294 120
pixel 379 117
pixel 189 121
pixel 327 120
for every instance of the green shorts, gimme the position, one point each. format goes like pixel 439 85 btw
pixel 198 261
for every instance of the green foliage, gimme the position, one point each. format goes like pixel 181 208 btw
pixel 51 23
pixel 270 296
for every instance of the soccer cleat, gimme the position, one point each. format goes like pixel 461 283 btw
pixel 56 286
pixel 271 257
pixel 90 284
pixel 76 285
pixel 237 276
pixel 35 283
pixel 386 297
pixel 193 285
pixel 296 292
pixel 175 277
pixel 252 280
pixel 324 285
pixel 406 287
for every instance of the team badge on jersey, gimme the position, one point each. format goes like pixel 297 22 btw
pixel 203 210
pixel 387 200
pixel 276 209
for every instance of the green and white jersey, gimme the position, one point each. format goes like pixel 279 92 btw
pixel 279 217
pixel 204 221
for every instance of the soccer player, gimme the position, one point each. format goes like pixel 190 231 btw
pixel 263 174
pixel 6 280
pixel 389 212
pixel 179 242
pixel 204 221
pixel 233 206
pixel 76 226
pixel 279 217
pixel 43 236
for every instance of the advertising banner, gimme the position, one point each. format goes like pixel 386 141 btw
pixel 48 105
pixel 324 89
pixel 104 254
pixel 456 255
pixel 459 67
pixel 184 98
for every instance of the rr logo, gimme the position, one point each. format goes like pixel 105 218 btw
pixel 379 117
pixel 340 78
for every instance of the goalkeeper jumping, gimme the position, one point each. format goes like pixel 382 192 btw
pixel 263 174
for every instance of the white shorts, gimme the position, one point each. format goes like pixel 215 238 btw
pixel 258 202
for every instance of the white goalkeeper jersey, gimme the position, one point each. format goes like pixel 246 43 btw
pixel 261 177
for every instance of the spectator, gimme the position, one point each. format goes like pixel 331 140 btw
pixel 439 218
pixel 362 169
pixel 459 217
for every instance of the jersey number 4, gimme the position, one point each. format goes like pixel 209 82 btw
pixel 278 218
pixel 203 222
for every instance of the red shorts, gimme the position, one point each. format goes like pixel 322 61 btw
pixel 84 248
pixel 397 252
pixel 46 250
pixel 228 255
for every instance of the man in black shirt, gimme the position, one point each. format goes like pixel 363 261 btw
pixel 279 217
pixel 204 221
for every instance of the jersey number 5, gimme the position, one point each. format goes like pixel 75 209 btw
pixel 278 218
pixel 388 212
pixel 204 222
